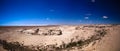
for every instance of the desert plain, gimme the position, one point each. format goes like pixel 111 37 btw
pixel 60 38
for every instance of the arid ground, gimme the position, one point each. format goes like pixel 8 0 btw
pixel 60 38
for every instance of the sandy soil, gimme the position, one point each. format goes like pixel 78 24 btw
pixel 72 38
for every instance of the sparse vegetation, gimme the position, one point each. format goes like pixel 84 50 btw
pixel 16 46
pixel 99 34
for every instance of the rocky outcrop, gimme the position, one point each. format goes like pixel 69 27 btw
pixel 55 32
pixel 41 32
pixel 15 46
pixel 64 38
pixel 29 31
pixel 50 32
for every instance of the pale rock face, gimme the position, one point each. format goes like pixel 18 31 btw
pixel 50 32
pixel 56 32
pixel 41 32
pixel 20 30
pixel 29 31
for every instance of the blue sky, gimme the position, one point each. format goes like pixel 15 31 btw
pixel 52 12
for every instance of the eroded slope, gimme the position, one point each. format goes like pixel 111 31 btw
pixel 57 38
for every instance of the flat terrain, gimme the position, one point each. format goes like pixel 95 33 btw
pixel 60 38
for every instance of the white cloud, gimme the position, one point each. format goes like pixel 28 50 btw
pixel 90 21
pixel 51 10
pixel 105 17
pixel 47 18
pixel 80 20
pixel 88 14
pixel 86 17
pixel 93 1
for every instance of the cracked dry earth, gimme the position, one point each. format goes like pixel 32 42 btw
pixel 60 38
